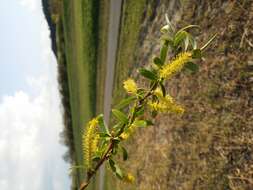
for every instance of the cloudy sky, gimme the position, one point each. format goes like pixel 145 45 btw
pixel 30 112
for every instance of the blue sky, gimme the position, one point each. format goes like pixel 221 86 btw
pixel 30 109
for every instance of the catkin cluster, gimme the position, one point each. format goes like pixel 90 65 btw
pixel 90 141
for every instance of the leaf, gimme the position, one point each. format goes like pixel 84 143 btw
pixel 192 66
pixel 186 42
pixel 125 102
pixel 188 27
pixel 112 165
pixel 120 116
pixel 193 42
pixel 164 51
pixel 179 37
pixel 163 89
pixel 208 42
pixel 96 158
pixel 118 172
pixel 140 123
pixel 124 153
pixel 102 124
pixel 103 135
pixel 148 74
pixel 149 122
pixel 157 61
pixel 115 168
pixel 196 54
pixel 115 149
pixel 140 112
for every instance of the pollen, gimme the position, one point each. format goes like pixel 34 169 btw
pixel 130 86
pixel 176 65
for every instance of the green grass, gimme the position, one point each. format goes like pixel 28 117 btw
pixel 80 21
pixel 128 41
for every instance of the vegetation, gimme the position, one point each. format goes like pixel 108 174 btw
pixel 204 148
pixel 74 31
pixel 209 147
pixel 101 144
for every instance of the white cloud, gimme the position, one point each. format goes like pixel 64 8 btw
pixel 31 5
pixel 29 140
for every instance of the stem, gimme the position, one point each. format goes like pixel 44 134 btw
pixel 90 174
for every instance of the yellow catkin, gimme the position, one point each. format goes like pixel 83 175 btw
pixel 158 92
pixel 166 104
pixel 175 66
pixel 94 145
pixel 126 134
pixel 129 178
pixel 130 86
pixel 88 139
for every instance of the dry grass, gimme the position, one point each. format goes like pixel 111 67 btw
pixel 211 145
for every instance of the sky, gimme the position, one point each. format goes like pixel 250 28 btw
pixel 30 109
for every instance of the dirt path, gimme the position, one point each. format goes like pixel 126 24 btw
pixel 113 32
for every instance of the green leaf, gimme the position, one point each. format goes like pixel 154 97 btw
pixel 118 171
pixel 115 168
pixel 163 89
pixel 102 124
pixel 186 42
pixel 125 102
pixel 196 54
pixel 164 51
pixel 140 123
pixel 188 27
pixel 124 153
pixel 192 66
pixel 208 42
pixel 115 149
pixel 140 112
pixel 120 115
pixel 149 123
pixel 96 158
pixel 179 38
pixel 103 135
pixel 157 61
pixel 116 140
pixel 148 74
pixel 193 42
pixel 112 165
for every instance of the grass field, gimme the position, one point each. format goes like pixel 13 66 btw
pixel 82 39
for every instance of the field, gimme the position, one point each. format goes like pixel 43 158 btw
pixel 80 39
pixel 210 147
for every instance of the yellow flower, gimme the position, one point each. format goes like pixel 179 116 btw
pixel 166 104
pixel 129 178
pixel 90 140
pixel 126 134
pixel 176 65
pixel 130 86
pixel 158 92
